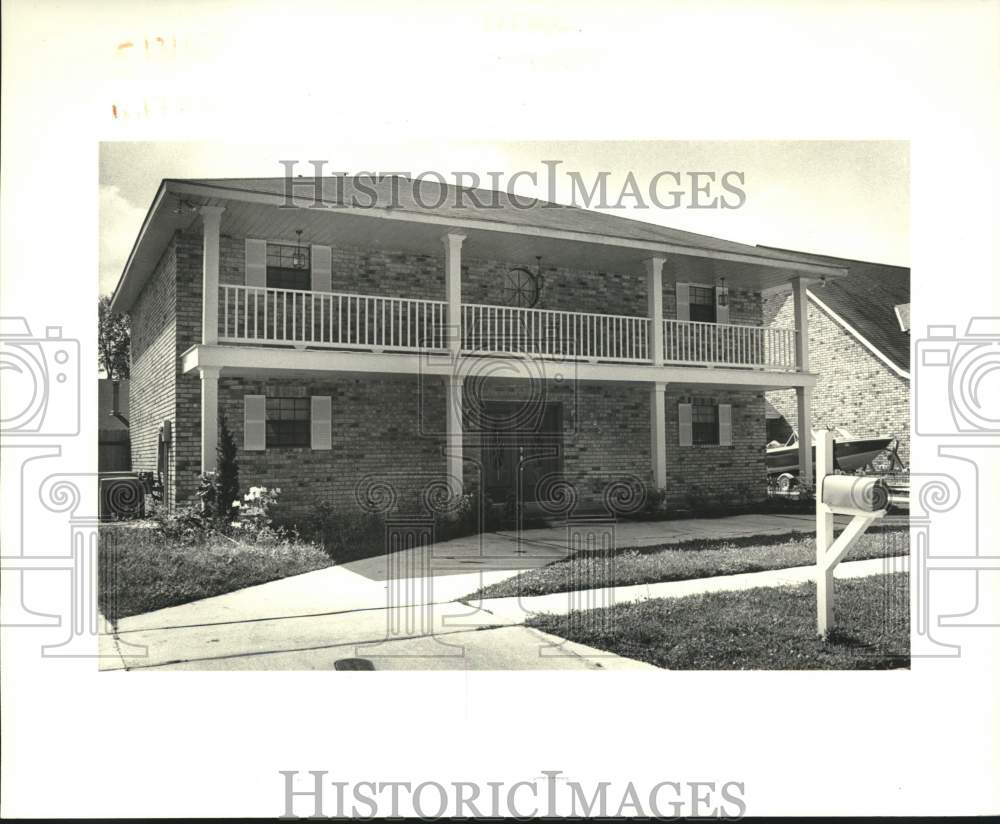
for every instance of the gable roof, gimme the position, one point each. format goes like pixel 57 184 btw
pixel 448 201
pixel 865 301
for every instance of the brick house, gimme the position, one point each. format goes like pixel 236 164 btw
pixel 859 346
pixel 386 344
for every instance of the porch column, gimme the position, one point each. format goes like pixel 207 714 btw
pixel 453 288
pixel 654 310
pixel 211 219
pixel 209 417
pixel 803 400
pixel 801 324
pixel 454 435
pixel 658 433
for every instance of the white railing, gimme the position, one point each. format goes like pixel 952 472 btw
pixel 698 343
pixel 249 314
pixel 551 333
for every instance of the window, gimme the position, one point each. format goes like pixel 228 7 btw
pixel 702 303
pixel 704 422
pixel 288 422
pixel 288 266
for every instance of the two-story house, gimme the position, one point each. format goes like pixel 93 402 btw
pixel 414 339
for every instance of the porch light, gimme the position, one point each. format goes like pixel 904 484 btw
pixel 723 293
pixel 298 256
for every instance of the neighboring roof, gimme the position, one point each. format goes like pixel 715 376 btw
pixel 865 301
pixel 106 421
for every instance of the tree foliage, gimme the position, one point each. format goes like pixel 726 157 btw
pixel 113 341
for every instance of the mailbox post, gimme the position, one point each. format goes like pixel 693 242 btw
pixel 865 499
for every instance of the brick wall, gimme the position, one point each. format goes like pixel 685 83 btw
pixel 153 382
pixel 854 390
pixel 407 275
pixel 717 472
pixel 391 429
pixel 377 432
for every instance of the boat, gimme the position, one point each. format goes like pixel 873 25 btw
pixel 850 454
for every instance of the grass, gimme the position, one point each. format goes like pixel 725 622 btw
pixel 770 628
pixel 141 571
pixel 700 558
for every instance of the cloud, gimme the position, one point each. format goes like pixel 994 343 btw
pixel 120 223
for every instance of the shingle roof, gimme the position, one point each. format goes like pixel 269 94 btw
pixel 867 299
pixel 423 196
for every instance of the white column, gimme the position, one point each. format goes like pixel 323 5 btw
pixel 453 287
pixel 803 400
pixel 801 324
pixel 824 537
pixel 211 218
pixel 654 310
pixel 454 435
pixel 209 417
pixel 658 433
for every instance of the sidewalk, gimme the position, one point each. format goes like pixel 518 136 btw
pixel 449 635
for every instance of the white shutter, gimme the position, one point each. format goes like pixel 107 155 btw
pixel 254 422
pixel 683 301
pixel 684 429
pixel 322 279
pixel 721 312
pixel 256 262
pixel 319 422
pixel 725 424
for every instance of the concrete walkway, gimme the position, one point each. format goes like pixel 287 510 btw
pixel 313 620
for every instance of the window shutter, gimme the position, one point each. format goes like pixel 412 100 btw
pixel 322 279
pixel 256 262
pixel 725 424
pixel 684 429
pixel 254 422
pixel 721 312
pixel 319 422
pixel 683 302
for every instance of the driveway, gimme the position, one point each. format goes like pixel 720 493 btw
pixel 314 620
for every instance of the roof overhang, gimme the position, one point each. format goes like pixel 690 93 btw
pixel 265 215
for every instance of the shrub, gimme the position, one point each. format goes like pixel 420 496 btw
pixel 253 519
pixel 186 524
pixel 344 536
pixel 228 469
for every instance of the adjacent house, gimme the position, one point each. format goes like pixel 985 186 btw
pixel 859 347
pixel 416 342
pixel 114 453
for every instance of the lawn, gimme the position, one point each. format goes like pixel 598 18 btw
pixel 701 558
pixel 770 628
pixel 141 571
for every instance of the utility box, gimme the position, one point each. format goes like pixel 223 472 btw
pixel 855 492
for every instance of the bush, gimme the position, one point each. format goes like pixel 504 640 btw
pixel 228 469
pixel 344 536
pixel 254 521
pixel 186 524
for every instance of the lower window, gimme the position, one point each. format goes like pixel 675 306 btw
pixel 287 422
pixel 704 422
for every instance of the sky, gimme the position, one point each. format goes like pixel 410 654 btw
pixel 842 198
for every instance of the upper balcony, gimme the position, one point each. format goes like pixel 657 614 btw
pixel 336 320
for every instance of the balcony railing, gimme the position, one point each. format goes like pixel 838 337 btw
pixel 338 320
pixel 717 344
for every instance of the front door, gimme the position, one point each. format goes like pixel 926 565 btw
pixel 520 447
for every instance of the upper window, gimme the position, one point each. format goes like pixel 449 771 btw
pixel 704 422
pixel 288 422
pixel 702 306
pixel 288 266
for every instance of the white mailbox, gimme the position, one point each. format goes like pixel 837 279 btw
pixel 854 493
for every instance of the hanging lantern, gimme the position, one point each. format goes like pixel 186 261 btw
pixel 723 293
pixel 299 255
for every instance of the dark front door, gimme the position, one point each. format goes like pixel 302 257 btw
pixel 521 446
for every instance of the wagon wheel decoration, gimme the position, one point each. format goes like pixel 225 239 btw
pixel 522 287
